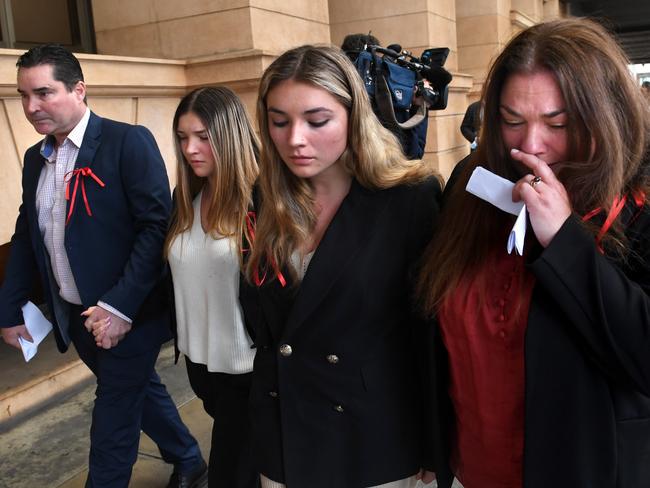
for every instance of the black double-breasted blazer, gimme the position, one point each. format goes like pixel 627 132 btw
pixel 336 398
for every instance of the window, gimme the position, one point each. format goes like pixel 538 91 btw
pixel 27 23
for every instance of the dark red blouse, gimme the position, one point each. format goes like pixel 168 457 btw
pixel 485 341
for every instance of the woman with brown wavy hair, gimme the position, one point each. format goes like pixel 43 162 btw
pixel 549 352
pixel 216 151
pixel 342 222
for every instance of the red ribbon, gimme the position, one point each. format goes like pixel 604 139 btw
pixel 79 174
pixel 251 222
pixel 639 198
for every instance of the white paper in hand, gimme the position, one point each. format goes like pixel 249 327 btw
pixel 37 326
pixel 498 191
pixel 518 233
pixel 493 189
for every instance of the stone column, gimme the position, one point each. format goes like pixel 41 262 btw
pixel 195 28
pixel 223 42
pixel 485 26
pixel 483 29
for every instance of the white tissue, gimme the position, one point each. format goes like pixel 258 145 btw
pixel 498 191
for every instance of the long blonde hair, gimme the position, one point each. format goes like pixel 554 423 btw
pixel 609 132
pixel 235 148
pixel 373 155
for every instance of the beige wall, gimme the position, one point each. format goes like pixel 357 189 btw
pixel 194 43
pixel 278 25
pixel 171 28
pixel 485 26
pixel 194 28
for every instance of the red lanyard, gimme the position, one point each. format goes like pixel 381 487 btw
pixel 251 223
pixel 79 173
pixel 619 203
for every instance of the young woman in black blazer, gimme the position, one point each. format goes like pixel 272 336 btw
pixel 343 219
pixel 549 352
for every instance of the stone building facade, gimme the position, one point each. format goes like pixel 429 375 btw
pixel 151 52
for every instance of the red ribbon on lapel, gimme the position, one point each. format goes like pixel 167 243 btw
pixel 79 174
pixel 250 223
pixel 618 205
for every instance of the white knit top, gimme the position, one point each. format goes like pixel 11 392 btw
pixel 206 289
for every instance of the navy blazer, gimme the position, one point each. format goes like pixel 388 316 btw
pixel 116 254
pixel 343 406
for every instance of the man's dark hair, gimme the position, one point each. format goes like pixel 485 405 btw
pixel 353 44
pixel 65 66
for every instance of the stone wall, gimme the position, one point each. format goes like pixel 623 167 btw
pixel 182 45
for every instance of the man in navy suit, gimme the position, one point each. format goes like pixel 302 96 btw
pixel 91 224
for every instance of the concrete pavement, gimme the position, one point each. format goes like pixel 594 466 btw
pixel 49 448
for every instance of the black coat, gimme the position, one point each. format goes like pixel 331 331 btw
pixel 587 362
pixel 471 123
pixel 336 390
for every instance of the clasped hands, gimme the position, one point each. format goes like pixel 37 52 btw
pixel 107 328
pixel 545 197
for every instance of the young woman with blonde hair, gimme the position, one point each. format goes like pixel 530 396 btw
pixel 343 219
pixel 216 149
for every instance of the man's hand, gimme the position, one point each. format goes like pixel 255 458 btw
pixel 107 328
pixel 11 334
pixel 417 98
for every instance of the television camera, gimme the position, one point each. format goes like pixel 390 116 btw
pixel 393 77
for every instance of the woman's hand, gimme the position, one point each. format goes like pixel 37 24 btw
pixel 107 328
pixel 426 476
pixel 545 197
